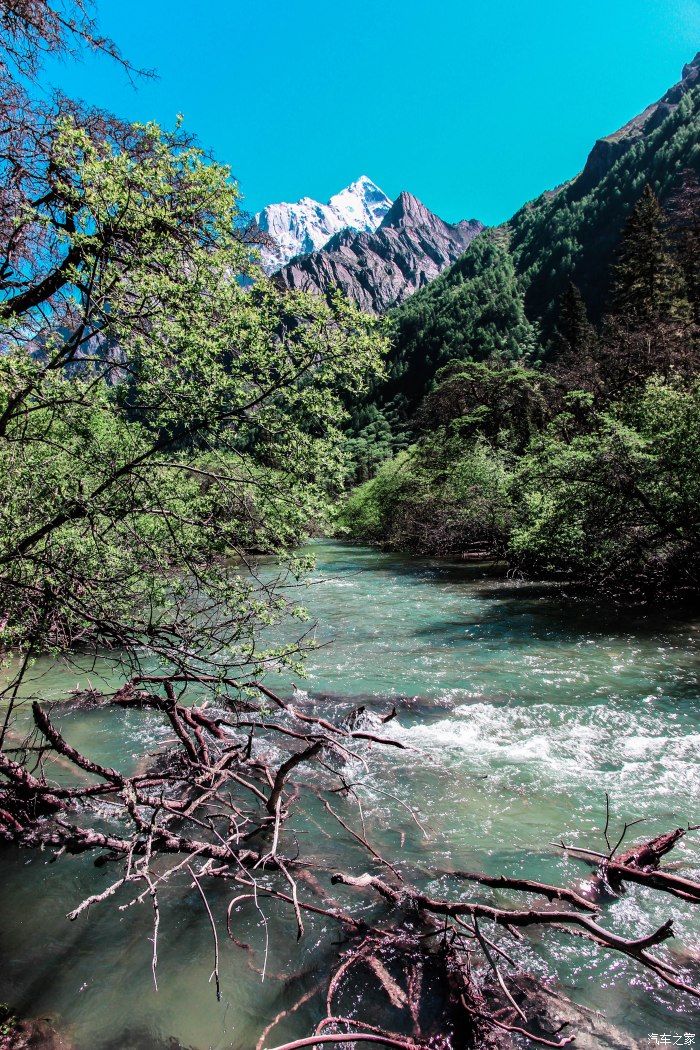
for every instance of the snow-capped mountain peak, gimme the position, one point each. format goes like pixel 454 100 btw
pixel 306 225
pixel 362 203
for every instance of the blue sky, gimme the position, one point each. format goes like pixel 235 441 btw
pixel 474 107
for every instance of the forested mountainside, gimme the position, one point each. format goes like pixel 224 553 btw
pixel 572 235
pixel 381 269
pixel 500 298
pixel 585 466
pixel 542 401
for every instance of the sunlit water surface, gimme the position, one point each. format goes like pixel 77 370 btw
pixel 526 707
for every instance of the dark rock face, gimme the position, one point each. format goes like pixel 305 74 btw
pixel 379 270
pixel 610 148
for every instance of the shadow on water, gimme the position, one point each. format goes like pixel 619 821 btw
pixel 553 620
pixel 544 614
pixel 492 581
pixel 142 1039
pixel 347 558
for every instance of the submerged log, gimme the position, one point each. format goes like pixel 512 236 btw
pixel 640 864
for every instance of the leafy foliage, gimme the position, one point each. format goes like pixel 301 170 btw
pixel 158 420
pixel 505 404
pixel 619 503
pixel 450 492
pixel 417 508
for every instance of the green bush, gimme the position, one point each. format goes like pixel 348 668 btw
pixel 617 506
pixel 416 503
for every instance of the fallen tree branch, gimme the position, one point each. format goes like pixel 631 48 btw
pixel 212 794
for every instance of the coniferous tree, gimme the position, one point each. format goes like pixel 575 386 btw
pixel 648 284
pixel 684 214
pixel 573 331
pixel 651 329
pixel 574 342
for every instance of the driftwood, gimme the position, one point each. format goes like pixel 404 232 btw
pixel 213 806
pixel 641 864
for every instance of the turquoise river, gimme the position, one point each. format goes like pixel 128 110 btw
pixel 525 708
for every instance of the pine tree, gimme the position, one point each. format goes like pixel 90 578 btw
pixel 649 285
pixel 684 214
pixel 651 330
pixel 574 333
pixel 574 342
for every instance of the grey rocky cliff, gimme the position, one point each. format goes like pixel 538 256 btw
pixel 379 270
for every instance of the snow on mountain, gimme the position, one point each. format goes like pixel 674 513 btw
pixel 362 204
pixel 380 269
pixel 303 227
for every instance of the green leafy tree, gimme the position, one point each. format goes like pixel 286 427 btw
pixel 504 404
pixel 445 499
pixel 132 360
pixel 617 506
pixel 158 420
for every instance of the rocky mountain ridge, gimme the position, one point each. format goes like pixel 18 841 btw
pixel 610 148
pixel 378 270
pixel 306 225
